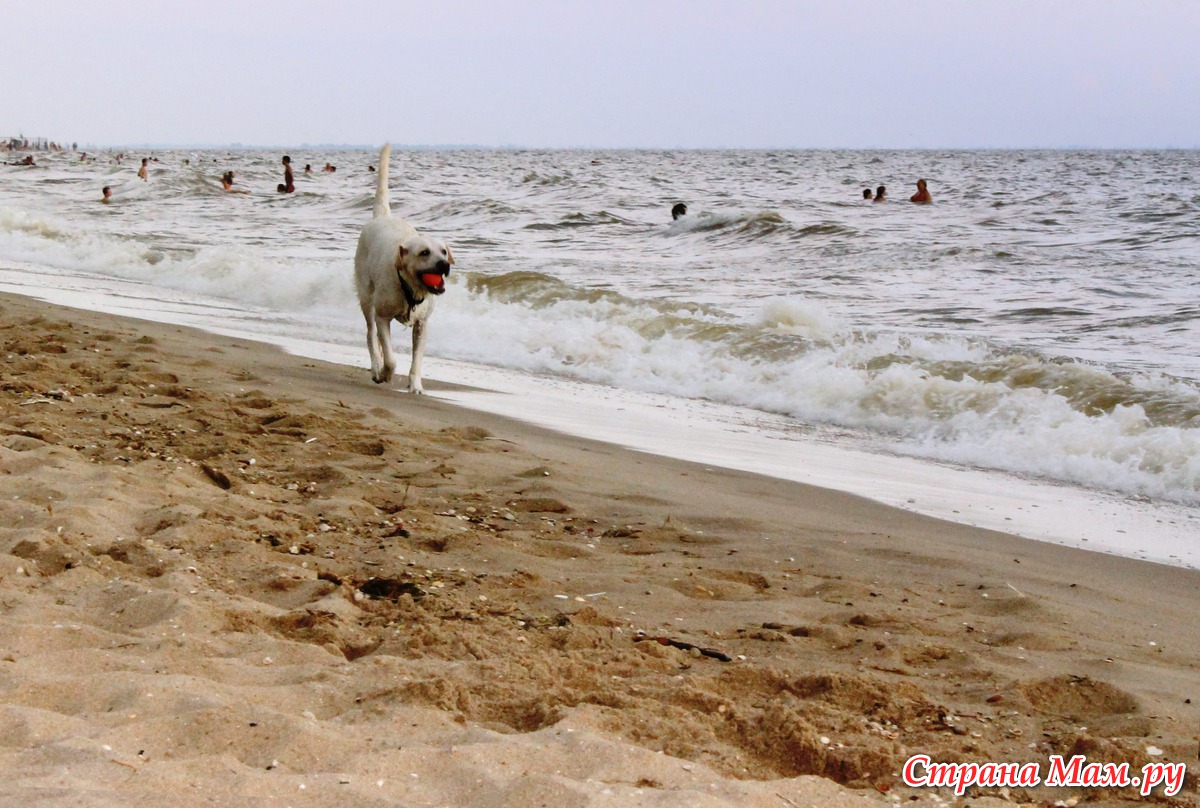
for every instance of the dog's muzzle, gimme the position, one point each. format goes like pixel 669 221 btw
pixel 435 279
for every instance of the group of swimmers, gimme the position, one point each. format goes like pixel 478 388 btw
pixel 289 181
pixel 921 197
pixel 286 187
pixel 289 185
pixel 143 172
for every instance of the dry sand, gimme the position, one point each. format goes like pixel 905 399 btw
pixel 229 576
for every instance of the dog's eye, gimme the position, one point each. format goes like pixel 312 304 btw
pixel 424 253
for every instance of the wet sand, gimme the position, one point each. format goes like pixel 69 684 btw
pixel 231 576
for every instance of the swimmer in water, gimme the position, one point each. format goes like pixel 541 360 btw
pixel 678 210
pixel 227 184
pixel 881 194
pixel 107 194
pixel 142 172
pixel 867 194
pixel 921 197
pixel 289 183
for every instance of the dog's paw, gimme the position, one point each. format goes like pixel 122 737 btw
pixel 415 387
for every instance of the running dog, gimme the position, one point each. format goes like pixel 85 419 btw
pixel 398 273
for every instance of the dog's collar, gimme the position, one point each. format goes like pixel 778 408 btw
pixel 409 295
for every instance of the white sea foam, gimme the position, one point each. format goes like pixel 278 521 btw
pixel 244 273
pixel 875 383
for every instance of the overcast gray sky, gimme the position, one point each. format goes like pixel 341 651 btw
pixel 605 73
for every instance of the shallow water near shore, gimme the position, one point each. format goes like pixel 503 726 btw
pixel 1020 357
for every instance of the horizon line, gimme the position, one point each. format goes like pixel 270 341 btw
pixel 236 146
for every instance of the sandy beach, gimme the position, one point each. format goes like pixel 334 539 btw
pixel 229 576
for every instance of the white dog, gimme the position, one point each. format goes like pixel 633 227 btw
pixel 398 272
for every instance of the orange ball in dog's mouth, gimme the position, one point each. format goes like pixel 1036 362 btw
pixel 435 281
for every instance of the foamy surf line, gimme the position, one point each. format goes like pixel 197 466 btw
pixel 697 431
pixel 764 444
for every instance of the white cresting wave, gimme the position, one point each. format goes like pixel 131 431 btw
pixel 234 272
pixel 927 394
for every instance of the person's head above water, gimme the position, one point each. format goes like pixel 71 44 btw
pixel 866 193
pixel 680 209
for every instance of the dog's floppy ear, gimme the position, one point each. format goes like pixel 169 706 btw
pixel 400 254
pixel 449 256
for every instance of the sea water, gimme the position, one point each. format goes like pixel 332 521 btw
pixel 1021 354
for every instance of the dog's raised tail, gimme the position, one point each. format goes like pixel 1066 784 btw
pixel 382 206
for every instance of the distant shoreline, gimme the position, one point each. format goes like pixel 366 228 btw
pixel 682 149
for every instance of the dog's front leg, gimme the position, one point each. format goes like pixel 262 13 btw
pixel 418 349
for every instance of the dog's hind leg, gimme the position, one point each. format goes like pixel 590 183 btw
pixel 379 346
pixel 373 345
pixel 383 338
pixel 418 350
